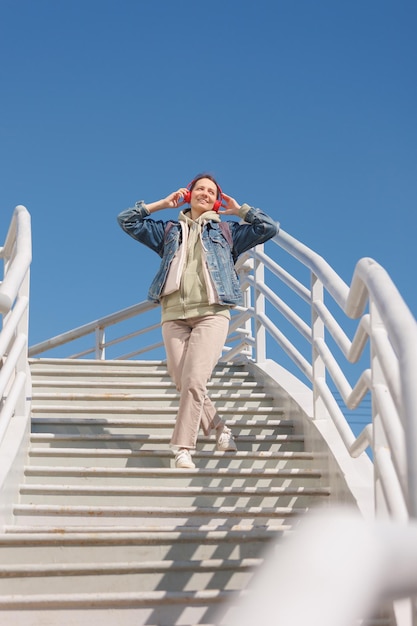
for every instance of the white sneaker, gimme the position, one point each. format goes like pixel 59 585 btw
pixel 183 459
pixel 225 441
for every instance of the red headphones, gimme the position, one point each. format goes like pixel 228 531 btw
pixel 217 204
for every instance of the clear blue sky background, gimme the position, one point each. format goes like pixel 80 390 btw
pixel 305 108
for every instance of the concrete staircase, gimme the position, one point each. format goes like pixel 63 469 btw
pixel 107 529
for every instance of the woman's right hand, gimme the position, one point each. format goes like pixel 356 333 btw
pixel 175 199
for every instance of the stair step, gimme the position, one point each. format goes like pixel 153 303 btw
pixel 128 576
pixel 33 544
pixel 159 441
pixel 70 424
pixel 162 605
pixel 128 369
pixel 43 384
pixel 153 438
pixel 204 535
pixel 151 423
pixel 129 458
pixel 171 496
pixel 259 477
pixel 123 409
pixel 129 609
pixel 227 396
pixel 169 491
pixel 191 515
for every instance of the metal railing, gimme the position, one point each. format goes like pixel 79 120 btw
pixel 388 329
pixel 14 303
pixel 15 386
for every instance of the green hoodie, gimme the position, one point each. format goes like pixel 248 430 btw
pixel 188 291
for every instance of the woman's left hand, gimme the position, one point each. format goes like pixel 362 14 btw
pixel 229 205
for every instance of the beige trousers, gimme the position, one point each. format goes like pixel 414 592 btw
pixel 193 347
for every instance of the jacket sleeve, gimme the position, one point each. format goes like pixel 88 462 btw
pixel 135 222
pixel 258 228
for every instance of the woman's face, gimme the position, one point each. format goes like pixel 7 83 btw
pixel 203 197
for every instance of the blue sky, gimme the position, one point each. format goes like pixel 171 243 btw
pixel 305 108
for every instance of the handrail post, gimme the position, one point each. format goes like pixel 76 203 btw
pixel 317 327
pixel 22 364
pixel 100 351
pixel 379 438
pixel 247 303
pixel 259 307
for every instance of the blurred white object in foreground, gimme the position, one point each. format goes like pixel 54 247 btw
pixel 333 570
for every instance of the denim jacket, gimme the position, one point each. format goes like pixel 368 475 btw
pixel 220 257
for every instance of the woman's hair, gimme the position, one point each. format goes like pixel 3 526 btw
pixel 210 177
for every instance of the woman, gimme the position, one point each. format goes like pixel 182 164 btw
pixel 197 285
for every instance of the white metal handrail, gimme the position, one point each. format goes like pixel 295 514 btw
pixel 15 385
pixel 394 352
pixel 97 329
pixel 17 256
pixel 14 302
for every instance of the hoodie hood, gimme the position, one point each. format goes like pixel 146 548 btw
pixel 208 216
